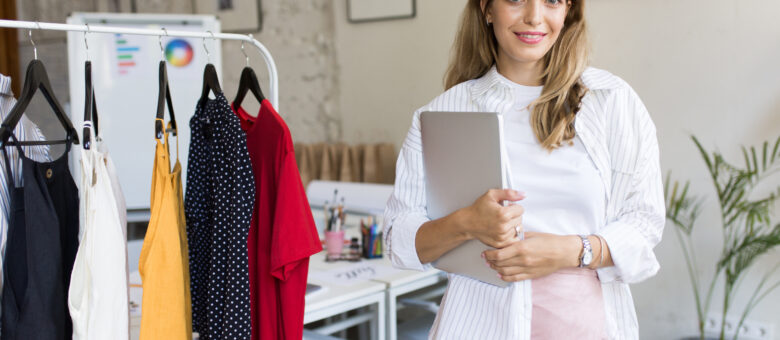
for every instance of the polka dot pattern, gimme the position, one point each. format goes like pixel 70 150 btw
pixel 218 208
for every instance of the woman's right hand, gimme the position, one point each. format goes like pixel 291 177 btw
pixel 492 223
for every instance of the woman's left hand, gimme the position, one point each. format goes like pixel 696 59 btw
pixel 537 255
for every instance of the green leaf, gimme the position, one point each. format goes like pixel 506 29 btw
pixel 765 150
pixel 755 161
pixel 703 153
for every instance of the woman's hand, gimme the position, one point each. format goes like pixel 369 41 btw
pixel 539 254
pixel 492 223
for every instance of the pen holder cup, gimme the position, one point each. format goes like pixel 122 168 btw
pixel 372 246
pixel 334 242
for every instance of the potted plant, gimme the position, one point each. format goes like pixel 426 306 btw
pixel 747 226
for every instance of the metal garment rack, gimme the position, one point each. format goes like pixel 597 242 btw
pixel 269 60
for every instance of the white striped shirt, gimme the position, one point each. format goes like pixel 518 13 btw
pixel 25 130
pixel 620 139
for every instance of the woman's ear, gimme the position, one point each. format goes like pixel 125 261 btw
pixel 486 11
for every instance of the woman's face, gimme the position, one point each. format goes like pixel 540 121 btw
pixel 525 29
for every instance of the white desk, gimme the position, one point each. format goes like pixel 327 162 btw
pixel 394 284
pixel 338 299
pixel 402 283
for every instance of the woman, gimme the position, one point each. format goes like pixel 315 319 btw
pixel 582 148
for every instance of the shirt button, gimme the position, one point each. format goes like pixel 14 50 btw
pixel 49 173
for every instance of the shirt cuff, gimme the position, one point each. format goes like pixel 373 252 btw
pixel 401 242
pixel 633 257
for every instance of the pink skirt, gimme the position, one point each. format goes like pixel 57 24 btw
pixel 568 304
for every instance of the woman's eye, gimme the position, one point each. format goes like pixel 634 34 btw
pixel 547 2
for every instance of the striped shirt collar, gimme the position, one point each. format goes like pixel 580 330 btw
pixel 5 85
pixel 593 79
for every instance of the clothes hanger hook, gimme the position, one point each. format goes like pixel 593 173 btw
pixel 35 48
pixel 208 55
pixel 244 51
pixel 86 44
pixel 159 40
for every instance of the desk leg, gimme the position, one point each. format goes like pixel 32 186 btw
pixel 392 315
pixel 381 320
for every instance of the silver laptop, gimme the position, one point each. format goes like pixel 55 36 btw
pixel 463 157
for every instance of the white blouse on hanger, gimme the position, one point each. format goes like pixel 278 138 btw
pixel 98 295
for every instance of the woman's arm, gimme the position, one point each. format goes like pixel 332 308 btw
pixel 541 254
pixel 436 237
pixel 637 225
pixel 486 220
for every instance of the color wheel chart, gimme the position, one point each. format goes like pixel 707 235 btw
pixel 125 54
pixel 178 52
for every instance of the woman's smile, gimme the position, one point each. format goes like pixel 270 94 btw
pixel 531 38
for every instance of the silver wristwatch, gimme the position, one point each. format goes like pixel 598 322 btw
pixel 587 252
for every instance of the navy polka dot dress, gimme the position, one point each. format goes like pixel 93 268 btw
pixel 218 207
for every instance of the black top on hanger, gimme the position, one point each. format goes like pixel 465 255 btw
pixel 162 96
pixel 248 82
pixel 36 78
pixel 90 107
pixel 210 82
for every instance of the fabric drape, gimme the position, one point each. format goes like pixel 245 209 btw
pixel 367 163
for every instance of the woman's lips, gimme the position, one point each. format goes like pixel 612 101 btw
pixel 531 38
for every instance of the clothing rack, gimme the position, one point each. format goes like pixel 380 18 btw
pixel 269 60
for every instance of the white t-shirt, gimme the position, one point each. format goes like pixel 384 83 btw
pixel 564 193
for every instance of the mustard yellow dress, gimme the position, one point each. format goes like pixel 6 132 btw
pixel 166 310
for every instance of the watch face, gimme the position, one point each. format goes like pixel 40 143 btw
pixel 587 258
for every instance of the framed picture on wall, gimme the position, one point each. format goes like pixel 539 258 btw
pixel 377 10
pixel 241 16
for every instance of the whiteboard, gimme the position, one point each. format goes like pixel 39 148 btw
pixel 124 74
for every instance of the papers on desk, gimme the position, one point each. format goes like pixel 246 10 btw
pixel 354 273
pixel 313 290
pixel 136 294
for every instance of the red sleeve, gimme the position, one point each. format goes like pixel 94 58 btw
pixel 294 236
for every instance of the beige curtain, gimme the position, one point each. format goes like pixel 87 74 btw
pixel 369 163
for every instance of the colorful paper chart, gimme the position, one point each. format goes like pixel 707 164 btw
pixel 125 54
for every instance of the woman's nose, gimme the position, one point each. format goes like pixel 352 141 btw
pixel 532 15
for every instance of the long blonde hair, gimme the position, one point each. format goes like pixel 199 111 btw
pixel 552 114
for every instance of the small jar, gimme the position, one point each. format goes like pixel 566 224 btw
pixel 354 249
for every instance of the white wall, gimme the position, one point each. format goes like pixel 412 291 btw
pixel 389 69
pixel 704 68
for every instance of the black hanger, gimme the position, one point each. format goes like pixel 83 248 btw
pixel 162 96
pixel 90 106
pixel 36 78
pixel 248 82
pixel 210 83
